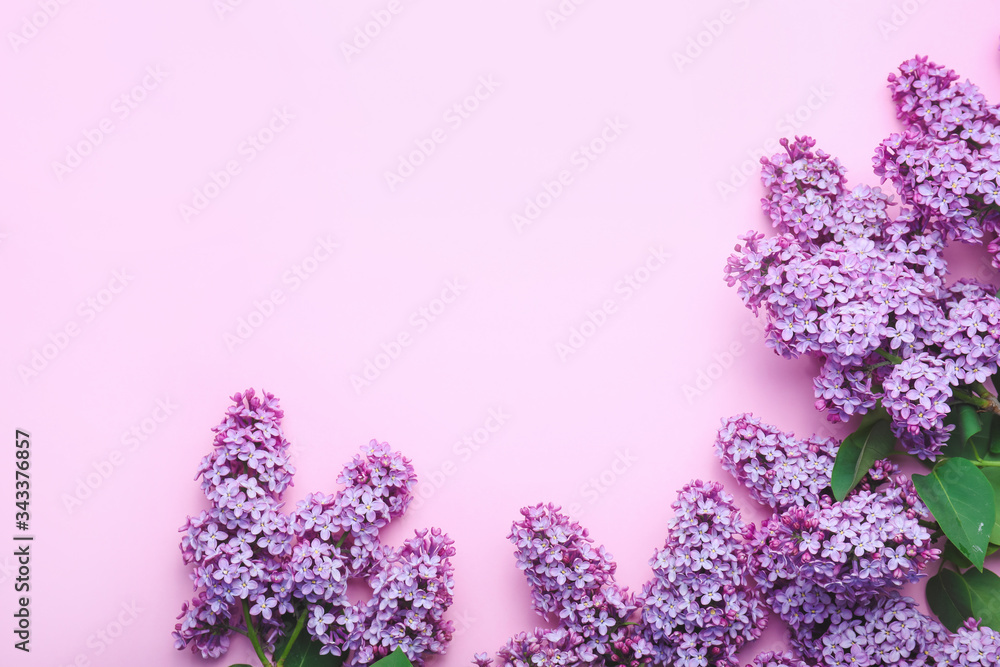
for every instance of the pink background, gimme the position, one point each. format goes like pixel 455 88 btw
pixel 190 279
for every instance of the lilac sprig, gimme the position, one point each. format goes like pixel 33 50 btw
pixel 887 629
pixel 864 291
pixel 779 469
pixel 281 579
pixel 700 607
pixel 772 659
pixel 971 646
pixel 571 579
pixel 946 161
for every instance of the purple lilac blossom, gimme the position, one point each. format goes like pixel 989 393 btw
pixel 887 630
pixel 700 608
pixel 971 646
pixel 871 540
pixel 772 659
pixel 572 583
pixel 863 289
pixel 249 557
pixel 945 162
pixel 779 469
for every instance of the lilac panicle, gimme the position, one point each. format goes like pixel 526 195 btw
pixel 700 608
pixel 884 630
pixel 772 659
pixel 249 557
pixel 971 646
pixel 779 469
pixel 861 286
pixel 572 583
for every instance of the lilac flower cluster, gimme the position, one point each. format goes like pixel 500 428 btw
pixel 885 629
pixel 972 645
pixel 779 469
pixel 946 163
pixel 872 539
pixel 865 292
pixel 573 581
pixel 831 569
pixel 241 544
pixel 700 608
pixel 258 570
pixel 771 659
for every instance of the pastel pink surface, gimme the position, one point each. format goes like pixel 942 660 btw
pixel 638 402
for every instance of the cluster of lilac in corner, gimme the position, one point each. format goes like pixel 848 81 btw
pixel 946 163
pixel 832 570
pixel 861 286
pixel 255 564
pixel 698 610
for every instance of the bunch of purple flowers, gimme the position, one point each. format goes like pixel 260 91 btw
pixel 946 163
pixel 832 570
pixel 862 287
pixel 699 608
pixel 273 576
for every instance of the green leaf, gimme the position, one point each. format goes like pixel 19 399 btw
pixel 953 555
pixel 949 598
pixel 984 588
pixel 395 659
pixel 961 500
pixel 993 476
pixel 967 425
pixel 859 451
pixel 994 435
pixel 305 653
pixel 240 664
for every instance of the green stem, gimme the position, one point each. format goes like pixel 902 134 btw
pixel 987 464
pixel 966 397
pixel 881 364
pixel 991 401
pixel 253 636
pixel 889 356
pixel 291 640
